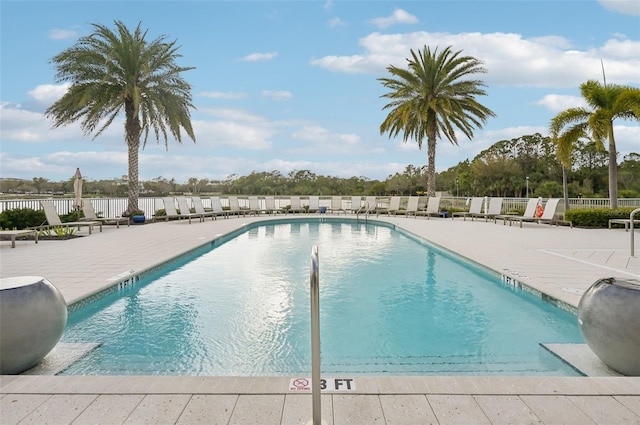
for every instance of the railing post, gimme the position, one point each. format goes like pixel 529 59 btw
pixel 632 231
pixel 314 278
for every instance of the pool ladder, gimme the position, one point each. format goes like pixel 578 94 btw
pixel 366 212
pixel 314 287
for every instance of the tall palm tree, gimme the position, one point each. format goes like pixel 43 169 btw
pixel 432 98
pixel 606 103
pixel 113 72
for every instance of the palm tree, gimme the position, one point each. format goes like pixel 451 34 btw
pixel 606 103
pixel 112 72
pixel 432 98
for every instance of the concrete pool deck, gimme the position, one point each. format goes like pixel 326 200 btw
pixel 558 261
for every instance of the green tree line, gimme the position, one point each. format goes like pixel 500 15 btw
pixel 506 168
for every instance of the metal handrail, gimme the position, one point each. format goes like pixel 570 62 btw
pixel 631 226
pixel 314 278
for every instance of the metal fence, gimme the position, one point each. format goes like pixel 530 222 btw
pixel 114 207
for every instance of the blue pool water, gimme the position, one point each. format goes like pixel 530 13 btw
pixel 389 304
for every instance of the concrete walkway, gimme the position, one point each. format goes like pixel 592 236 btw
pixel 557 261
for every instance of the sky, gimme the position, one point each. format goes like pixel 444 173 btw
pixel 294 85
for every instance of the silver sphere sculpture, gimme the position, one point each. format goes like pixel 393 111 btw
pixel 609 319
pixel 33 316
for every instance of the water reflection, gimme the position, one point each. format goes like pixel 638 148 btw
pixel 388 304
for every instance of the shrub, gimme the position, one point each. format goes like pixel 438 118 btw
pixel 21 218
pixel 72 216
pixel 595 217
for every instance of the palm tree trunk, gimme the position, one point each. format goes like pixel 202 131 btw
pixel 565 188
pixel 431 154
pixel 613 170
pixel 133 191
pixel 431 168
pixel 132 134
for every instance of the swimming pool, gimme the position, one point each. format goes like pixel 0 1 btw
pixel 389 304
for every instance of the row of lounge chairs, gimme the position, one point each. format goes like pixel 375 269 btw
pixel 534 212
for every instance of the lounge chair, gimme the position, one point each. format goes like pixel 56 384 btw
pixel 234 206
pixel 433 208
pixel 494 209
pixel 529 214
pixel 356 204
pixel 90 215
pixel 336 205
pixel 314 204
pixel 475 207
pixel 254 206
pixel 270 205
pixel 549 214
pixel 412 206
pixel 394 206
pixel 12 234
pixel 295 205
pixel 185 209
pixel 53 219
pixel 216 207
pixel 626 222
pixel 199 208
pixel 171 211
pixel 370 206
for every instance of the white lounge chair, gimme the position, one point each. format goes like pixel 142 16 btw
pixel 529 214
pixel 314 204
pixel 295 205
pixel 171 211
pixel 336 205
pixel 199 208
pixel 270 205
pixel 475 207
pixel 216 207
pixel 12 234
pixel 412 206
pixel 370 205
pixel 90 215
pixel 254 206
pixel 494 209
pixel 53 219
pixel 185 210
pixel 356 204
pixel 394 206
pixel 549 214
pixel 433 208
pixel 234 206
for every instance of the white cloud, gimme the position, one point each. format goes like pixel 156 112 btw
pixel 398 16
pixel 509 58
pixel 223 95
pixel 234 128
pixel 316 139
pixel 60 34
pixel 49 93
pixel 277 95
pixel 21 125
pixel 627 7
pixel 259 57
pixel 336 22
pixel 557 103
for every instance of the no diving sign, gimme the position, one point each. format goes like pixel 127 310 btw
pixel 326 384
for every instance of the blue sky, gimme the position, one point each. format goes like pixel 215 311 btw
pixel 282 85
